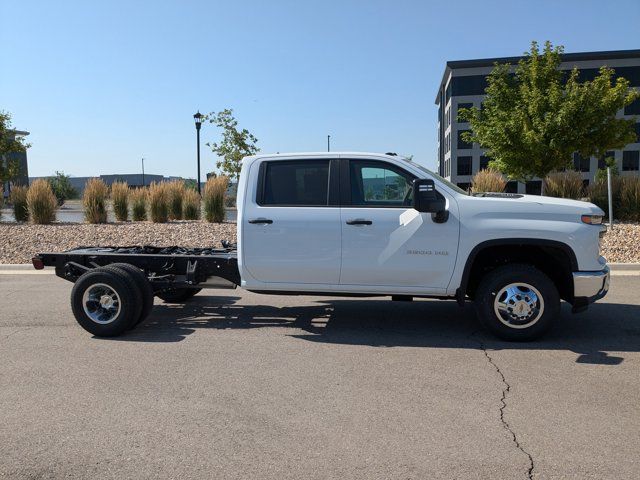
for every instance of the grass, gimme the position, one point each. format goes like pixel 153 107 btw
pixel 176 191
pixel 630 199
pixel 567 184
pixel 120 198
pixel 139 198
pixel 598 194
pixel 191 205
pixel 159 202
pixel 41 202
pixel 488 180
pixel 214 191
pixel 18 198
pixel 94 201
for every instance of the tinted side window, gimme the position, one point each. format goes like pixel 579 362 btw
pixel 298 182
pixel 379 184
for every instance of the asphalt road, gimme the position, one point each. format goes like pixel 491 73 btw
pixel 244 386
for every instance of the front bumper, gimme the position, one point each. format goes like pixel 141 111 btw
pixel 589 287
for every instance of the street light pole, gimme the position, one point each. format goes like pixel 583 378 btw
pixel 143 182
pixel 328 143
pixel 198 119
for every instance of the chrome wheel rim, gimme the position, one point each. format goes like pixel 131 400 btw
pixel 101 303
pixel 518 305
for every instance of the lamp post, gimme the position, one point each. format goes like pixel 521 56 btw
pixel 328 143
pixel 198 119
pixel 143 183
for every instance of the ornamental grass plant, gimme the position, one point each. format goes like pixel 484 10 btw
pixel 566 184
pixel 94 201
pixel 139 198
pixel 191 205
pixel 18 198
pixel 159 198
pixel 176 195
pixel 41 202
pixel 488 180
pixel 120 199
pixel 214 192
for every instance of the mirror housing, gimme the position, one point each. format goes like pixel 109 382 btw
pixel 427 200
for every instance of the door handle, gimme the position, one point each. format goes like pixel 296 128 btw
pixel 265 221
pixel 359 221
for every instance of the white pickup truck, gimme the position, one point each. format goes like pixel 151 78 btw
pixel 361 224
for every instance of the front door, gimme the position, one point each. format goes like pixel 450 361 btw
pixel 291 229
pixel 385 242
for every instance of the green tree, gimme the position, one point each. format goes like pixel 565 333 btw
pixel 9 145
pixel 533 121
pixel 234 145
pixel 62 188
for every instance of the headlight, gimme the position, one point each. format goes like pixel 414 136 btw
pixel 592 219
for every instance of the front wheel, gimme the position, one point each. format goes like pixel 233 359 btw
pixel 517 302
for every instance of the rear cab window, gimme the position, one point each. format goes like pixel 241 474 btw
pixel 294 183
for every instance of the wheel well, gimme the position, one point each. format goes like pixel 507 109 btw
pixel 555 261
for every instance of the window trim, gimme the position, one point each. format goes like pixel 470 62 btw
pixel 333 196
pixel 345 180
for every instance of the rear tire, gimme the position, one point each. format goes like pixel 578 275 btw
pixel 104 302
pixel 177 295
pixel 517 302
pixel 146 290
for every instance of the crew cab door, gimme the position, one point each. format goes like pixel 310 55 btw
pixel 291 222
pixel 385 242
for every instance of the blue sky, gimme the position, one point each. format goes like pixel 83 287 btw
pixel 101 84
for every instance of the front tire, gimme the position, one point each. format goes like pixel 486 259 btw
pixel 517 302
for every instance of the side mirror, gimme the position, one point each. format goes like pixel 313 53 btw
pixel 427 200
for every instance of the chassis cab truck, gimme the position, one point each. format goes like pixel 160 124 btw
pixel 362 224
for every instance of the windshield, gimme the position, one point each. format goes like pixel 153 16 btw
pixel 452 186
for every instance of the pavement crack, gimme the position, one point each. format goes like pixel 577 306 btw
pixel 506 388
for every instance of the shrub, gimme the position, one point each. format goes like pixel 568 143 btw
pixel 62 188
pixel 94 201
pixel 18 198
pixel 214 191
pixel 191 205
pixel 139 198
pixel 488 180
pixel 567 184
pixel 630 199
pixel 159 202
pixel 598 194
pixel 120 198
pixel 41 202
pixel 176 193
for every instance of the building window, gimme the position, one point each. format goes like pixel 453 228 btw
pixel 484 162
pixel 468 85
pixel 464 165
pixel 460 107
pixel 580 163
pixel 461 143
pixel 631 161
pixel 512 187
pixel 534 187
pixel 633 108
pixel 464 186
pixel 601 161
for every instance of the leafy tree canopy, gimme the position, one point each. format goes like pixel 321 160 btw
pixel 234 145
pixel 9 167
pixel 534 120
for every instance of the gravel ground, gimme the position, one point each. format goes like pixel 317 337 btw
pixel 19 242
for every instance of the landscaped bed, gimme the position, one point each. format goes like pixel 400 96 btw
pixel 18 242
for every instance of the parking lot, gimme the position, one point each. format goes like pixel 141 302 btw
pixel 240 385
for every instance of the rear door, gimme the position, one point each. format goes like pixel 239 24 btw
pixel 291 227
pixel 385 242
